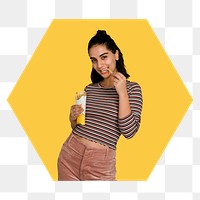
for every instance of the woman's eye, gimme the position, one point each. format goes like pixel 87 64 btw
pixel 103 57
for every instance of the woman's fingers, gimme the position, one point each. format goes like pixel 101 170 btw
pixel 76 110
pixel 119 76
pixel 120 83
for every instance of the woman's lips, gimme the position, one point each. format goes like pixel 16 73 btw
pixel 103 71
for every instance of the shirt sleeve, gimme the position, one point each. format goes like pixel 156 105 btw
pixel 130 124
pixel 85 89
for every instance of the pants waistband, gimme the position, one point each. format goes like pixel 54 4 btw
pixel 81 148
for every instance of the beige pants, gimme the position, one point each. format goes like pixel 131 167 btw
pixel 79 162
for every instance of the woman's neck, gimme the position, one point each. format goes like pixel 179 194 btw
pixel 107 82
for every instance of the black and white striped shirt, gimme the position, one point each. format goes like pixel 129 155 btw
pixel 102 122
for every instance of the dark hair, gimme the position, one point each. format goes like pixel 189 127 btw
pixel 102 38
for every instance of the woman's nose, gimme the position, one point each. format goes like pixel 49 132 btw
pixel 99 64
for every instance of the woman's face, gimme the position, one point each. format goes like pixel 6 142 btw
pixel 102 59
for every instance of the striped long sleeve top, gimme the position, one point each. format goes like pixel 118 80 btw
pixel 102 123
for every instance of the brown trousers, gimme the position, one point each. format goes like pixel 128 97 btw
pixel 78 162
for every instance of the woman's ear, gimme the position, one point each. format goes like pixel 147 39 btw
pixel 117 55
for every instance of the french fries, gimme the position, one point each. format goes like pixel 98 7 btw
pixel 110 70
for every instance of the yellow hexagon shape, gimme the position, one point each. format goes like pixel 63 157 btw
pixel 60 66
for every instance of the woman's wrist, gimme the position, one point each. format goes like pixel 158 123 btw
pixel 73 122
pixel 123 94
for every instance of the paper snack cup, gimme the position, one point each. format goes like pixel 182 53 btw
pixel 81 100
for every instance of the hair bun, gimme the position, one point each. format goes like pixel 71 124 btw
pixel 101 33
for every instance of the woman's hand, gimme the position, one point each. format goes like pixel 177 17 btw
pixel 120 86
pixel 75 111
pixel 120 83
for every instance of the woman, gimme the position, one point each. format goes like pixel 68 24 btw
pixel 113 107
